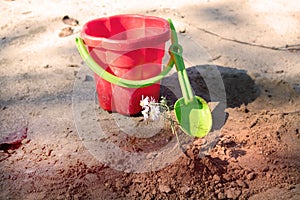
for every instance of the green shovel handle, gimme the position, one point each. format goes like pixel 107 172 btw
pixel 114 79
pixel 175 52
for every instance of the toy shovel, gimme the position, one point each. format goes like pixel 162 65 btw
pixel 192 112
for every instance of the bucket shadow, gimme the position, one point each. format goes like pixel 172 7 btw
pixel 224 86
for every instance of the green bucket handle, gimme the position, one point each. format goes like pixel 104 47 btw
pixel 117 80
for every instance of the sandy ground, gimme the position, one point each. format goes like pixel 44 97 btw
pixel 251 46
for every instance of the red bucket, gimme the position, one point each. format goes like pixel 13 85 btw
pixel 130 47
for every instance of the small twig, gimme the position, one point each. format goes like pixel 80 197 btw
pixel 292 47
pixel 215 58
pixel 172 122
pixel 285 113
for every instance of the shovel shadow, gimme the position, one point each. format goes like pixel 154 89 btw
pixel 222 87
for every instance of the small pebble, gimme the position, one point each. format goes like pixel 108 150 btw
pixel 25 141
pixel 182 30
pixel 73 65
pixel 221 195
pixel 70 21
pixel 279 71
pixel 251 176
pixel 275 162
pixel 227 177
pixel 88 78
pixel 219 185
pixel 216 178
pixel 66 32
pixel 291 187
pixel 265 169
pixel 10 151
pixel 233 193
pixel 164 188
pixel 46 66
pixel 242 184
pixel 185 189
pixel 283 166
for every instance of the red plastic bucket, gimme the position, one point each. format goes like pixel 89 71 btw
pixel 130 47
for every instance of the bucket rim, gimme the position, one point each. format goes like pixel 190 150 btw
pixel 126 44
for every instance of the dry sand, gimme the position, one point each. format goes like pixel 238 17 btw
pixel 254 46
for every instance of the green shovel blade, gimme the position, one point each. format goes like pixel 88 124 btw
pixel 194 117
